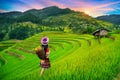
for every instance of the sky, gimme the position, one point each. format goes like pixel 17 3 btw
pixel 93 8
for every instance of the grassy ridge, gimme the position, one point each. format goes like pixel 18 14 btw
pixel 73 57
pixel 6 44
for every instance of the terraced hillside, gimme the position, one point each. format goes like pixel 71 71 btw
pixel 6 44
pixel 73 57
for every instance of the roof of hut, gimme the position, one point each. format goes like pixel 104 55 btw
pixel 98 30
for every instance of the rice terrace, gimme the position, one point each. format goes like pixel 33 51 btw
pixel 73 57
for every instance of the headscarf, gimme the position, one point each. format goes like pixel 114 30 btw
pixel 44 40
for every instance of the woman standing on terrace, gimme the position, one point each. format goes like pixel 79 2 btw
pixel 43 52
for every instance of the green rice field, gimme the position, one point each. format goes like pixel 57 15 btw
pixel 73 57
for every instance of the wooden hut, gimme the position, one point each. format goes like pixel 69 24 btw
pixel 101 32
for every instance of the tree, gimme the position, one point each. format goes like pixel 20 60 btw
pixel 2 35
pixel 67 29
pixel 6 37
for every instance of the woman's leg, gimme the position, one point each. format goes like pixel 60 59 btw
pixel 43 69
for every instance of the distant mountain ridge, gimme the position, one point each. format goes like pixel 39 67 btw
pixel 33 15
pixel 6 14
pixel 49 11
pixel 115 18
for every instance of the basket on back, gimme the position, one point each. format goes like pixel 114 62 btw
pixel 40 52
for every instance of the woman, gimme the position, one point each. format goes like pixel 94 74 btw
pixel 43 53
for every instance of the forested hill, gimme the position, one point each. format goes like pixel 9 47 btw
pixel 33 15
pixel 20 25
pixel 115 19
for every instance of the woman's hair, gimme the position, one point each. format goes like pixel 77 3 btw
pixel 45 47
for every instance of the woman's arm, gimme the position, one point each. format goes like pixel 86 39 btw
pixel 47 52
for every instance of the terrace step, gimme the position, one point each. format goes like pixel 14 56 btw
pixel 2 61
pixel 21 57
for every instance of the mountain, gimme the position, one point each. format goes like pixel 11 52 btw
pixel 47 19
pixel 13 14
pixel 49 11
pixel 32 15
pixel 115 19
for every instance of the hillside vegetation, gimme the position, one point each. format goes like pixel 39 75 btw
pixel 73 57
pixel 28 23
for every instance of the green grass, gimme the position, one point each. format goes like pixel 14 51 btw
pixel 6 44
pixel 73 57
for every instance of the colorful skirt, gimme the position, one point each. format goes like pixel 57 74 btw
pixel 45 64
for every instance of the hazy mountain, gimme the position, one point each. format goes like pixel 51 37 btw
pixel 115 19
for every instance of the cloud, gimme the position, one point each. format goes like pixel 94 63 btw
pixel 97 10
pixel 36 4
pixel 24 5
pixel 54 3
pixel 108 4
pixel 92 9
pixel 2 11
